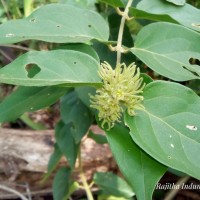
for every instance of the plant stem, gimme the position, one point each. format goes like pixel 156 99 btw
pixel 121 30
pixel 6 55
pixel 6 9
pixel 83 178
pixel 8 189
pixel 172 193
pixel 28 121
pixel 17 47
pixel 28 6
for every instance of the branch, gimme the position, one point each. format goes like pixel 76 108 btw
pixel 121 30
pixel 172 193
pixel 13 191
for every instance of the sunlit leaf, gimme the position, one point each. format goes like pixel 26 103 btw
pixel 56 23
pixel 169 127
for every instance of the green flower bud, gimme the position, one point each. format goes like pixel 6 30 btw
pixel 121 90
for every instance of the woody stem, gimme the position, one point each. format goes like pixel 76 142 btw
pixel 121 31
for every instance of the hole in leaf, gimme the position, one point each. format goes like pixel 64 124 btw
pixel 33 20
pixel 191 127
pixel 32 70
pixel 194 61
pixel 10 35
pixel 196 25
pixel 190 71
pixel 89 25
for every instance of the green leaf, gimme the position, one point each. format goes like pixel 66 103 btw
pixel 66 67
pixel 98 138
pixel 61 184
pixel 66 142
pixel 74 186
pixel 168 49
pixel 84 48
pixel 89 4
pixel 146 79
pixel 28 99
pixel 31 123
pixel 112 184
pixel 110 197
pixel 75 112
pixel 56 23
pixel 141 171
pixel 158 10
pixel 177 2
pixel 169 127
pixel 53 161
pixel 114 3
pixel 140 14
pixel 83 94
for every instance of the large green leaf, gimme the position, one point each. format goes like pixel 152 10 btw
pixel 44 68
pixel 114 3
pixel 66 142
pixel 158 10
pixel 53 161
pixel 177 2
pixel 28 99
pixel 113 185
pixel 140 14
pixel 56 23
pixel 168 49
pixel 169 127
pixel 83 94
pixel 75 112
pixel 61 184
pixel 140 170
pixel 84 48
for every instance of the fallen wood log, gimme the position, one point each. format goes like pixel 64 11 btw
pixel 24 156
pixel 27 150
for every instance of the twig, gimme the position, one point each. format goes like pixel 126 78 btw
pixel 172 193
pixel 17 47
pixel 28 191
pixel 40 192
pixel 13 191
pixel 6 55
pixel 121 30
pixel 6 9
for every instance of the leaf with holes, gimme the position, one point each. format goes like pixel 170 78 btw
pixel 169 49
pixel 140 170
pixel 28 99
pixel 84 48
pixel 45 68
pixel 169 127
pixel 56 23
pixel 158 10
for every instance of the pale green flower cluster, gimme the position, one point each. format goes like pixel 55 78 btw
pixel 121 90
